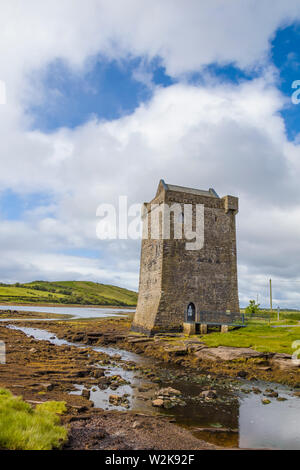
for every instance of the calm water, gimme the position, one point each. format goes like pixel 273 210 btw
pixel 272 426
pixel 75 312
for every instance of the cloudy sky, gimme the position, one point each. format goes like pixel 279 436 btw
pixel 104 98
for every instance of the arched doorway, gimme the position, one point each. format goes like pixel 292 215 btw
pixel 191 312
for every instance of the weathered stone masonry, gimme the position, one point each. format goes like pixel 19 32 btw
pixel 172 277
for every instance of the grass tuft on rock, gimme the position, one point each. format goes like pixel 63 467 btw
pixel 25 428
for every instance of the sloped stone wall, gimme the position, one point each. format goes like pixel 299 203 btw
pixel 171 277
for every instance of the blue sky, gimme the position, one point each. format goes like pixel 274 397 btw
pixel 285 53
pixel 109 90
pixel 14 206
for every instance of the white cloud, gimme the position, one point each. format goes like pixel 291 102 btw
pixel 229 137
pixel 186 35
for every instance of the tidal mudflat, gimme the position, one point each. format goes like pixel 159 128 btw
pixel 116 383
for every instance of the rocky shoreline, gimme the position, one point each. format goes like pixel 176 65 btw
pixel 179 349
pixel 41 371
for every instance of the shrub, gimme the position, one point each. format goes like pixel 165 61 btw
pixel 252 307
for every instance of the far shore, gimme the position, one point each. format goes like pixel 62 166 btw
pixel 46 304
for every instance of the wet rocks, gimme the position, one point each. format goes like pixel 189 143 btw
pixel 104 383
pixel 119 400
pixel 284 362
pixel 98 373
pixel 77 337
pixel 224 353
pixel 271 394
pixel 86 393
pixel 180 350
pixel 81 373
pixel 145 387
pixel 208 394
pixel 217 429
pixel 265 401
pixel 139 340
pixel 46 387
pixel 168 392
pixel 242 374
pixel 168 398
pixel 92 338
pixel 159 402
pixel 116 381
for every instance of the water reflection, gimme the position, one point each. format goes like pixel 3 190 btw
pixel 276 425
pixel 249 423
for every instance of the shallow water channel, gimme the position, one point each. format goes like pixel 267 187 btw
pixel 236 418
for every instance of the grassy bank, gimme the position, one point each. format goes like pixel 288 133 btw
pixel 25 428
pixel 261 335
pixel 67 292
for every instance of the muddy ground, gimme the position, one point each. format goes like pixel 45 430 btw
pixel 40 371
pixel 179 349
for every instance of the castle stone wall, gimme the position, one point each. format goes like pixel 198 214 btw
pixel 171 276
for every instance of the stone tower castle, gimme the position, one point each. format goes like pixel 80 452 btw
pixel 179 284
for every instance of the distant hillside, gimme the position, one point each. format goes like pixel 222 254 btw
pixel 67 292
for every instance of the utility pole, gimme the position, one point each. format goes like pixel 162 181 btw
pixel 271 306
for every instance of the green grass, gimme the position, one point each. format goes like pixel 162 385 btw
pixel 257 335
pixel 25 428
pixel 67 292
pixel 292 316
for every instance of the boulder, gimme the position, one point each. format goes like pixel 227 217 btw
pixel 208 394
pixel 225 353
pixel 284 362
pixel 168 392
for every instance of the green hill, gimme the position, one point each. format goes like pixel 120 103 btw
pixel 67 292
